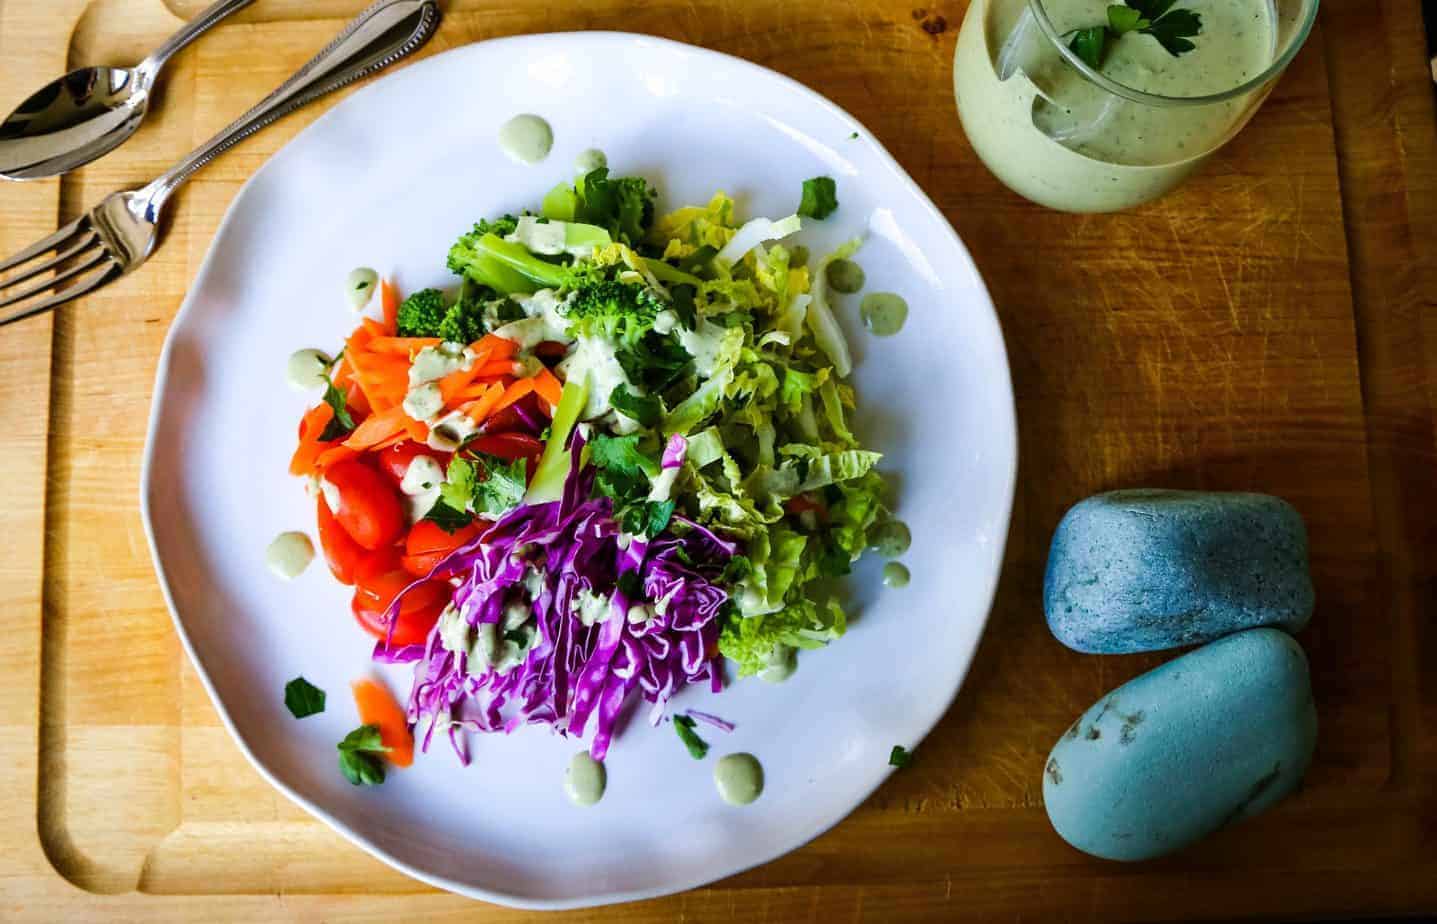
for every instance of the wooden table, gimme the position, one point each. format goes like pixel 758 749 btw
pixel 1269 327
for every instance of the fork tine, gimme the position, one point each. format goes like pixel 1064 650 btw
pixel 53 283
pixel 89 239
pixel 50 243
pixel 112 271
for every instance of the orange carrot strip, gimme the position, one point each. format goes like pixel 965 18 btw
pixel 378 707
pixel 402 346
pixel 375 328
pixel 302 462
pixel 514 392
pixel 455 382
pixel 312 424
pixel 478 411
pixel 548 387
pixel 389 303
pixel 377 428
pixel 495 367
pixel 333 454
pixel 392 441
pixel 494 347
pixel 476 390
pixel 416 430
pixel 341 374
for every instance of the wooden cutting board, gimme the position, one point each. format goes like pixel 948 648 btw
pixel 1269 327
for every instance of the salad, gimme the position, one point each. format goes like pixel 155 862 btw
pixel 613 460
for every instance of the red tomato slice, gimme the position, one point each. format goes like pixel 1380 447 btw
pixel 379 581
pixel 369 506
pixel 343 554
pixel 394 461
pixel 428 545
pixel 508 446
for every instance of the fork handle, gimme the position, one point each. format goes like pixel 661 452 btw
pixel 385 32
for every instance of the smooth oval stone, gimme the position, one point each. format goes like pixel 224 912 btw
pixel 1144 570
pixel 1215 736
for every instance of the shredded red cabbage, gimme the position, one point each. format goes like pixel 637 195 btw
pixel 660 633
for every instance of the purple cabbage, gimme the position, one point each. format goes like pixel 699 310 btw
pixel 656 642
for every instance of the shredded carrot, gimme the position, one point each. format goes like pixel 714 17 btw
pixel 375 328
pixel 402 346
pixel 378 707
pixel 377 428
pixel 548 387
pixel 514 392
pixel 476 390
pixel 340 374
pixel 416 430
pixel 479 411
pixel 392 441
pixel 312 424
pixel 494 347
pixel 495 367
pixel 357 400
pixel 302 462
pixel 455 382
pixel 334 453
pixel 389 303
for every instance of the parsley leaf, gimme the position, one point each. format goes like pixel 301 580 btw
pixel 900 756
pixel 303 698
pixel 698 747
pixel 502 488
pixel 648 518
pixel 1091 45
pixel 655 362
pixel 622 454
pixel 648 410
pixel 359 754
pixel 1125 19
pixel 1174 29
pixel 631 586
pixel 820 198
pixel 341 424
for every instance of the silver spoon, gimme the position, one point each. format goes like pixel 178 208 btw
pixel 90 112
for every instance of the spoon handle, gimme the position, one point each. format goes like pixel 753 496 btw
pixel 385 32
pixel 150 67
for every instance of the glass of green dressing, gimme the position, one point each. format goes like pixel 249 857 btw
pixel 1080 138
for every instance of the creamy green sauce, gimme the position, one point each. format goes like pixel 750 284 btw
pixel 883 313
pixel 289 554
pixel 1063 141
pixel 896 574
pixel 359 287
pixel 585 780
pixel 845 276
pixel 526 139
pixel 739 778
pixel 590 160
pixel 891 539
pixel 307 368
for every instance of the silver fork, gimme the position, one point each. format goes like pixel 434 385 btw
pixel 119 234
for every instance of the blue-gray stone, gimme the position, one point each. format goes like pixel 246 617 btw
pixel 1143 570
pixel 1217 735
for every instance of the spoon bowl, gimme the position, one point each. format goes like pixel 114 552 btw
pixel 90 112
pixel 72 121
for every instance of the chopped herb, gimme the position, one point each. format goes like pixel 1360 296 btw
pixel 646 409
pixel 447 518
pixel 359 756
pixel 683 305
pixel 341 424
pixel 1172 28
pixel 303 698
pixel 820 198
pixel 853 136
pixel 622 454
pixel 900 756
pixel 698 747
pixel 363 284
pixel 649 518
pixel 499 490
pixel 517 636
pixel 631 585
pixel 738 568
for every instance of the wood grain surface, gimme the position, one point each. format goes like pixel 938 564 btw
pixel 1268 327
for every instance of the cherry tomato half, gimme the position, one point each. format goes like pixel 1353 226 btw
pixel 378 581
pixel 428 544
pixel 395 460
pixel 340 550
pixel 369 506
pixel 508 446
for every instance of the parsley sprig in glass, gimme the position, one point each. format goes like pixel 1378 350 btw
pixel 1172 28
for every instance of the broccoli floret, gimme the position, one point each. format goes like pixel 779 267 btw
pixel 614 309
pixel 624 206
pixel 464 323
pixel 422 314
pixel 508 267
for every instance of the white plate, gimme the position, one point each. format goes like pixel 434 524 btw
pixel 388 179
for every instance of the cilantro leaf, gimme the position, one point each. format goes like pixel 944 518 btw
pixel 1151 9
pixel 1091 45
pixel 502 488
pixel 341 424
pixel 457 492
pixel 900 756
pixel 738 568
pixel 698 747
pixel 447 518
pixel 359 755
pixel 631 585
pixel 647 518
pixel 303 698
pixel 648 410
pixel 820 198
pixel 655 362
pixel 622 454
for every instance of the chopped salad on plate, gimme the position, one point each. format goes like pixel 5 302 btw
pixel 612 461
